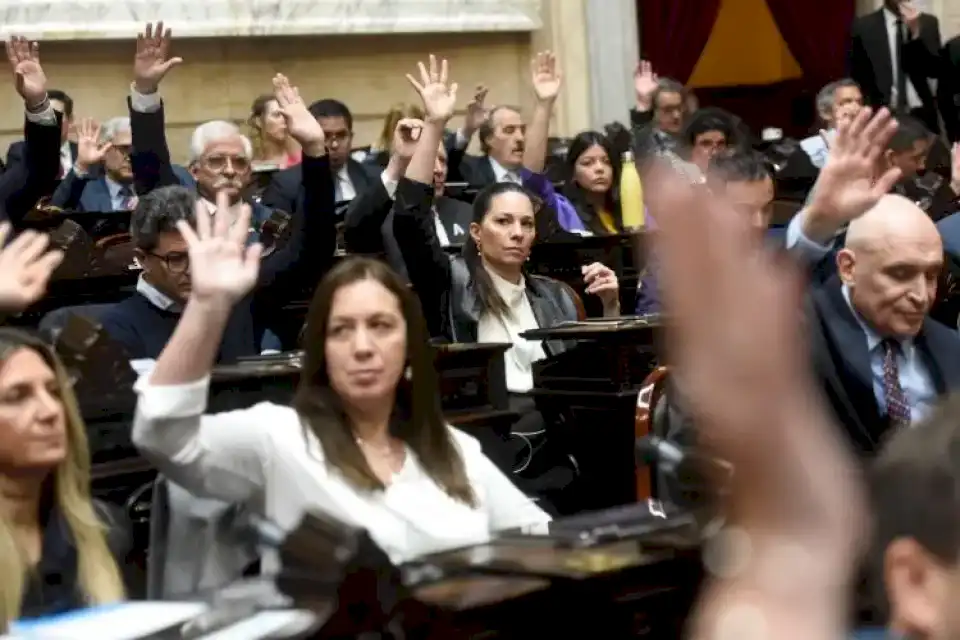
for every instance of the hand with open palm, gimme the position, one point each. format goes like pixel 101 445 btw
pixel 547 78
pixel 223 269
pixel 90 151
pixel 849 184
pixel 153 60
pixel 300 122
pixel 645 83
pixel 31 81
pixel 439 98
pixel 25 268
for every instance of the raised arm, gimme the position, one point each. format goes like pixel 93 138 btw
pixel 24 183
pixel 151 155
pixel 89 155
pixel 413 226
pixel 25 268
pixel 547 81
pixel 314 235
pixel 223 456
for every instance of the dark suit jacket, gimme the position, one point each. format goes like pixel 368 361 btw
pixel 91 193
pixel 948 92
pixel 25 182
pixel 17 150
pixel 871 67
pixel 476 171
pixel 284 189
pixel 842 364
pixel 368 224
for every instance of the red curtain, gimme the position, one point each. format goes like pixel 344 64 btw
pixel 817 32
pixel 673 33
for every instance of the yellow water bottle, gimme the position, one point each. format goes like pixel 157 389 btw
pixel 631 194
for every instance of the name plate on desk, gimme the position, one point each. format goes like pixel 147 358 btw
pixel 122 19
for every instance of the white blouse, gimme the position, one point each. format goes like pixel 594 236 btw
pixel 518 359
pixel 261 457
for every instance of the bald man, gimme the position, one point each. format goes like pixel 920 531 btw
pixel 881 360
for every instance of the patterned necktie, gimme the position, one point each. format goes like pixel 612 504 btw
pixel 128 201
pixel 897 408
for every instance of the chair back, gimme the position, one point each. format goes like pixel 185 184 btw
pixel 55 320
pixel 577 300
pixel 648 404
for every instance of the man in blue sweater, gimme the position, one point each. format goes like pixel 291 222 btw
pixel 144 322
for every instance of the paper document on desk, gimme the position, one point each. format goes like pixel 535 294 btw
pixel 127 621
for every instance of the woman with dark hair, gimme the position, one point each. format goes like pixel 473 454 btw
pixel 591 183
pixel 365 439
pixel 54 551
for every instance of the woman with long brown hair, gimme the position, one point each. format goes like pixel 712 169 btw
pixel 54 554
pixel 365 439
pixel 272 143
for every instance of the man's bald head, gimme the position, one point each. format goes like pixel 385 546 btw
pixel 893 220
pixel 890 264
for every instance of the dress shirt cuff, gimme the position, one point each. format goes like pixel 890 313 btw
pixel 46 117
pixel 807 247
pixel 145 102
pixel 390 185
pixel 461 141
pixel 164 402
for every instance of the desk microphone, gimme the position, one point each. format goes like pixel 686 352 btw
pixel 653 450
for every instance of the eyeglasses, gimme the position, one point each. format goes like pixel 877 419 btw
pixel 122 149
pixel 218 163
pixel 175 261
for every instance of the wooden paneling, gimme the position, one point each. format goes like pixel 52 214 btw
pixel 220 78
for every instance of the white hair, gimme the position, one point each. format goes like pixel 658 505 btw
pixel 213 131
pixel 113 126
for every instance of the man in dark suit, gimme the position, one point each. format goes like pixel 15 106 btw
pixel 894 53
pixel 948 92
pixel 882 362
pixel 63 105
pixel 26 181
pixel 502 140
pixel 351 178
pixel 369 218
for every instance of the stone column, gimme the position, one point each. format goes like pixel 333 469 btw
pixel 613 45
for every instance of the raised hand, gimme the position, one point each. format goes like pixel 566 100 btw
pixel 89 150
pixel 737 350
pixel 439 98
pixel 153 60
pixel 848 185
pixel 405 137
pixel 25 268
pixel 645 83
pixel 476 110
pixel 300 122
pixel 223 269
pixel 28 75
pixel 546 76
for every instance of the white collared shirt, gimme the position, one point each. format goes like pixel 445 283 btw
pixel 518 359
pixel 913 98
pixel 156 297
pixel 344 185
pixel 260 458
pixel 502 174
pixel 391 186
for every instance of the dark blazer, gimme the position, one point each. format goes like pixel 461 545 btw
pixel 25 182
pixel 948 91
pixel 446 290
pixel 16 151
pixel 91 193
pixel 842 364
pixel 368 224
pixel 284 188
pixel 476 171
pixel 871 67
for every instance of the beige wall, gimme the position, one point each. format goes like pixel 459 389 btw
pixel 220 78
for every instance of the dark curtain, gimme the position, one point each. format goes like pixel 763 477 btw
pixel 818 33
pixel 673 34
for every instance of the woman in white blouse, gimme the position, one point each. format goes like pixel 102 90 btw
pixel 365 439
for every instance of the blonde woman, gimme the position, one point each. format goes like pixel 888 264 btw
pixel 379 153
pixel 54 554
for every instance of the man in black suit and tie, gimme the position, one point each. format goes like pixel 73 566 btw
pixel 894 53
pixel 369 219
pixel 63 105
pixel 351 178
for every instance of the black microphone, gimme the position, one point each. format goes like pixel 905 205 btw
pixel 653 450
pixel 685 478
